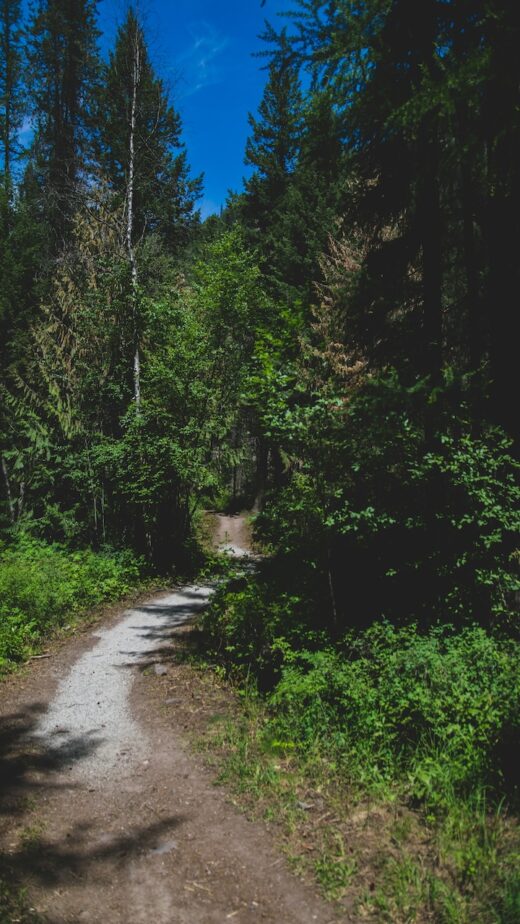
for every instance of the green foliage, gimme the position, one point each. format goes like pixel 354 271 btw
pixel 44 586
pixel 399 528
pixel 159 464
pixel 164 194
pixel 438 712
pixel 250 624
pixel 62 74
pixel 12 101
pixel 421 728
pixel 14 904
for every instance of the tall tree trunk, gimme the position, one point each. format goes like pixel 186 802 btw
pixel 430 224
pixel 136 78
pixel 467 193
pixel 502 121
pixel 473 324
pixel 10 501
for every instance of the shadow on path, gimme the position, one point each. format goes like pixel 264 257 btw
pixel 28 764
pixel 31 767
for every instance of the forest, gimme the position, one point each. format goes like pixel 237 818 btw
pixel 335 353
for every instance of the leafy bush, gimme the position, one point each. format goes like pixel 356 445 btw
pixel 41 586
pixel 440 710
pixel 395 523
pixel 437 710
pixel 251 623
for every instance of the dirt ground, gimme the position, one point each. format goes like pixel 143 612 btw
pixel 232 534
pixel 121 822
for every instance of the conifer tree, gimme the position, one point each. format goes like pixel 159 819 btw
pixel 64 70
pixel 13 257
pixel 12 101
pixel 272 149
pixel 11 115
pixel 318 189
pixel 143 158
pixel 139 141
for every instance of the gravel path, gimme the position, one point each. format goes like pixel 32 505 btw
pixel 106 814
pixel 90 716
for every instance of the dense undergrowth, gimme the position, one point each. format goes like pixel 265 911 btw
pixel 426 719
pixel 45 586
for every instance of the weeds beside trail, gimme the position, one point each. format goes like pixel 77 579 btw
pixel 43 587
pixel 14 906
pixel 388 756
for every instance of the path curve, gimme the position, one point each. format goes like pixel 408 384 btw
pixel 106 814
pixel 90 716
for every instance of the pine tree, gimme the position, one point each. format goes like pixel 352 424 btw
pixel 12 98
pixel 64 70
pixel 273 146
pixel 500 139
pixel 430 96
pixel 139 140
pixel 272 149
pixel 11 116
pixel 143 159
pixel 14 256
pixel 318 188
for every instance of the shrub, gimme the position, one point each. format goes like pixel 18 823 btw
pixel 42 586
pixel 251 623
pixel 392 524
pixel 439 710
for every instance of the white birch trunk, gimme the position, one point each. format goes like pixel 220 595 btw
pixel 136 77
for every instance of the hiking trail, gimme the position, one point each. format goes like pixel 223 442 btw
pixel 106 813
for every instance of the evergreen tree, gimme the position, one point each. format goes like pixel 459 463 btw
pixel 11 115
pixel 143 159
pixel 273 145
pixel 140 147
pixel 64 70
pixel 499 131
pixel 12 100
pixel 317 193
pixel 272 149
pixel 430 98
pixel 16 253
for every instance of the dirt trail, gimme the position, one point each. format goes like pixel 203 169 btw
pixel 233 535
pixel 105 813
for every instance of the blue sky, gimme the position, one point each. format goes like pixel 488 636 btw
pixel 203 49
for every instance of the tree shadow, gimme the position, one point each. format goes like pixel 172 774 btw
pixel 30 767
pixel 51 863
pixel 28 761
pixel 174 616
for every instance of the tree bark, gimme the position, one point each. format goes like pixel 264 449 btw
pixel 136 77
pixel 430 222
pixel 10 501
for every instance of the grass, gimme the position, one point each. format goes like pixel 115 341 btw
pixel 31 836
pixel 271 782
pixel 45 588
pixel 14 906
